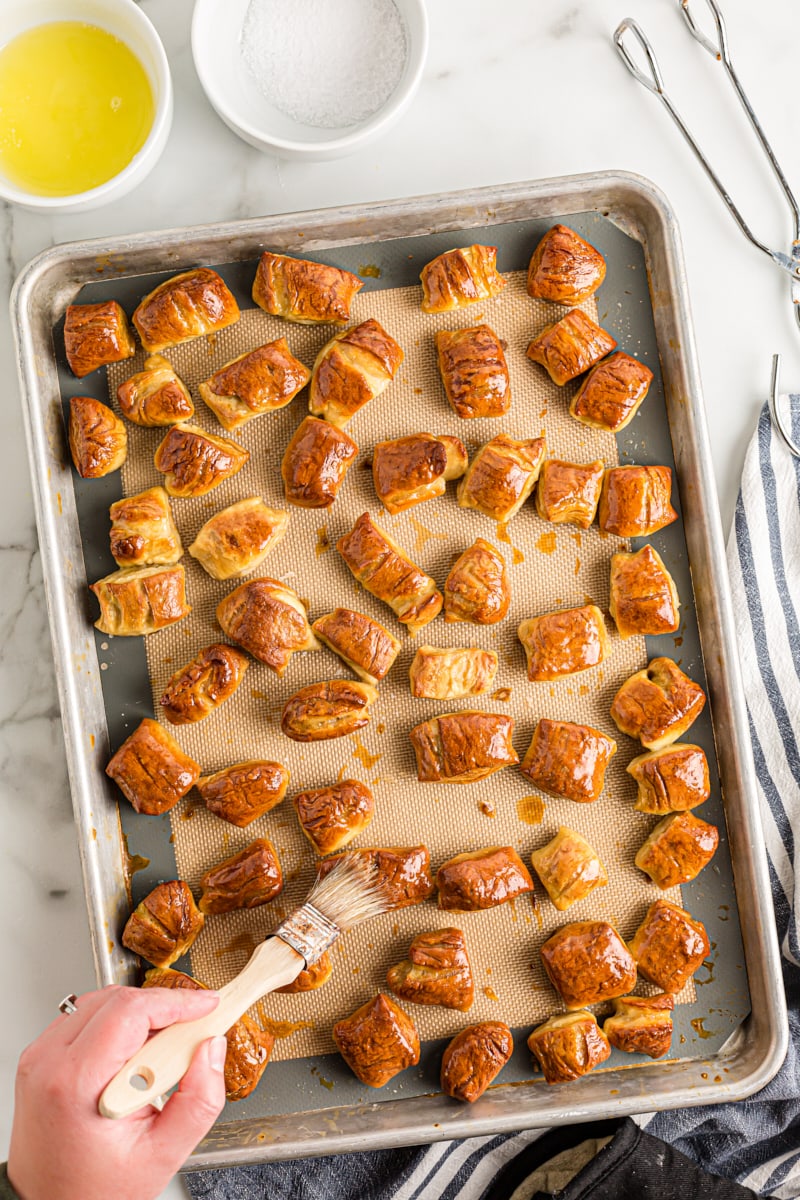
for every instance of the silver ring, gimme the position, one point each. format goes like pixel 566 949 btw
pixel 69 1004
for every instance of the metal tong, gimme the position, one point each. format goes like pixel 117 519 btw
pixel 654 82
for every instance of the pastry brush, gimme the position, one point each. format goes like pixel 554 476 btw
pixel 346 896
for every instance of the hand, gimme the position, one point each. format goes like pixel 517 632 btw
pixel 61 1148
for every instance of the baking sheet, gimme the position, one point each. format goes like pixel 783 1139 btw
pixel 397 239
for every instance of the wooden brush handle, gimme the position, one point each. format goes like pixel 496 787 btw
pixel 164 1059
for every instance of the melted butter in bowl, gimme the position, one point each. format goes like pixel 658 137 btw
pixel 76 105
pixel 85 101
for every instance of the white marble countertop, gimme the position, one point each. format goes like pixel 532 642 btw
pixel 512 91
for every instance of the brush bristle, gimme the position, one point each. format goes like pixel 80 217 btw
pixel 349 893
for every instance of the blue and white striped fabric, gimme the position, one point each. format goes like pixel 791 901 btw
pixel 756 1142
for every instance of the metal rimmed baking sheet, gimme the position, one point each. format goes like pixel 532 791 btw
pixel 629 221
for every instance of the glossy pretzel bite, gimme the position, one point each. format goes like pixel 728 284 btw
pixel 202 685
pixel 671 780
pixel 187 306
pixel 143 532
pixel 568 493
pixel 610 395
pixel 462 747
pixel 453 673
pixel 95 335
pixel 98 440
pixel 249 1050
pixel 587 962
pixel 412 469
pixel 482 879
pixel 635 501
pixel 238 538
pixel 657 705
pixel 474 1058
pixel 268 619
pixel 644 599
pixel 380 566
pixel 327 710
pixel 315 463
pixel 362 644
pixel 162 928
pixel 677 849
pixel 151 770
pixel 303 291
pixel 242 793
pixel 245 880
pixel 641 1024
pixel 569 868
pixel 460 277
pixel 403 873
pixel 568 760
pixel 565 268
pixel 260 381
pixel 474 371
pixel 570 346
pixel 669 946
pixel 353 368
pixel 141 600
pixel 501 476
pixel 249 1046
pixel 194 462
pixel 437 971
pixel 331 817
pixel 377 1041
pixel 155 396
pixel 477 589
pixel 311 978
pixel 565 642
pixel 568 1046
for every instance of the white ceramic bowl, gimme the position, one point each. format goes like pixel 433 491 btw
pixel 216 29
pixel 127 22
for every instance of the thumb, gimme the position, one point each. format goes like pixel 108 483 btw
pixel 193 1109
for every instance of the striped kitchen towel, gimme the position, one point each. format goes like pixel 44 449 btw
pixel 755 1142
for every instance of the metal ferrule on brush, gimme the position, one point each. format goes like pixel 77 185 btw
pixel 309 932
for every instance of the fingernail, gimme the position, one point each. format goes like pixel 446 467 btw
pixel 216 1053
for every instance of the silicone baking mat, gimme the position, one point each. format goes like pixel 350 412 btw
pixel 549 567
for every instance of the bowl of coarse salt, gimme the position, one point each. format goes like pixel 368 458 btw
pixel 309 79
